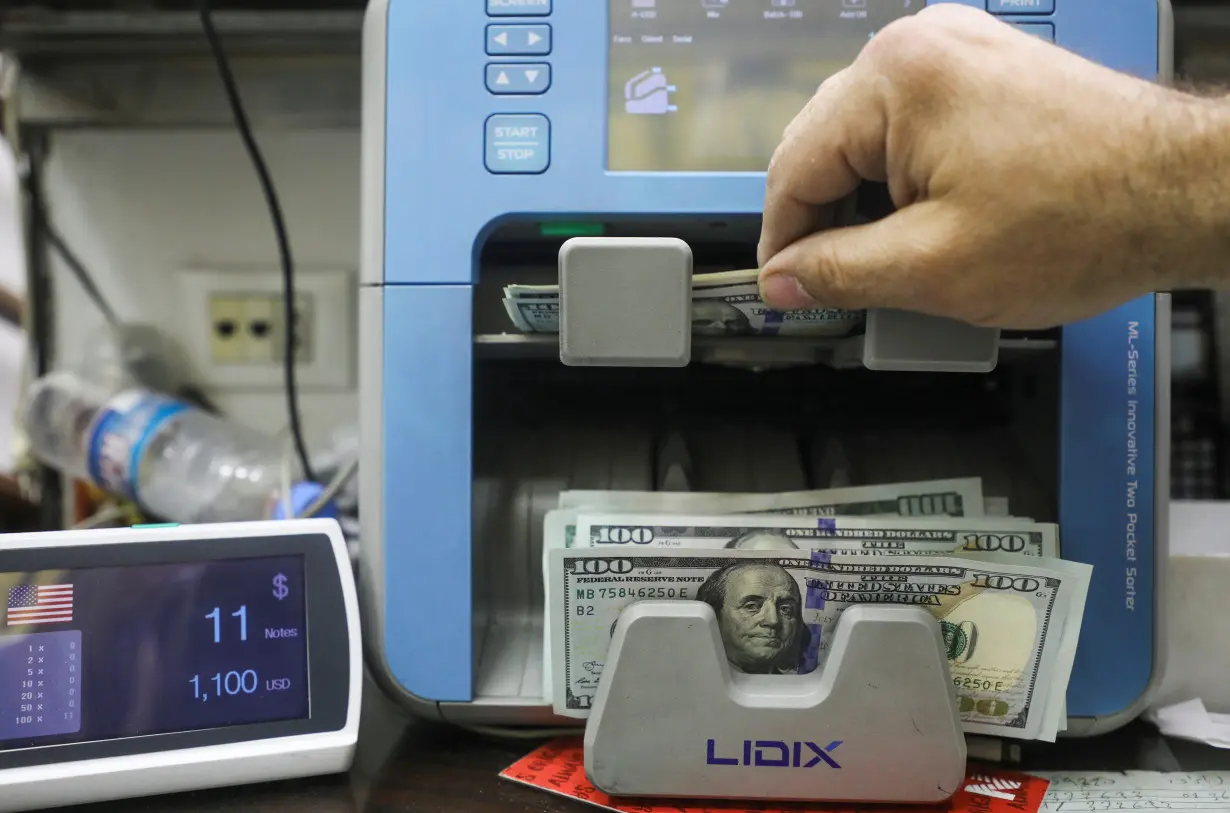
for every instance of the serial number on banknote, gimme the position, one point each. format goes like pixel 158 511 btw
pixel 598 593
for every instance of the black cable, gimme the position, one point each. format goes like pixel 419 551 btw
pixel 279 228
pixel 79 271
pixel 39 305
pixel 43 230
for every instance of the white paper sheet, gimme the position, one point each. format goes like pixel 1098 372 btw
pixel 1138 791
pixel 1190 720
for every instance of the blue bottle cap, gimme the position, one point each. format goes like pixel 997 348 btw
pixel 302 495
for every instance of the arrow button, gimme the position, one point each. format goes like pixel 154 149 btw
pixel 519 40
pixel 518 78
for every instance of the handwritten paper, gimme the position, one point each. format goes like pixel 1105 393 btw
pixel 1138 791
pixel 559 767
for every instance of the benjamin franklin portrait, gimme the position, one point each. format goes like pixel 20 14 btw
pixel 712 317
pixel 760 617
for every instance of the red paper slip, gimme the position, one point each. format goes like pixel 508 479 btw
pixel 559 767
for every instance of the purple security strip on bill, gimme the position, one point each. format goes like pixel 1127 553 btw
pixel 814 600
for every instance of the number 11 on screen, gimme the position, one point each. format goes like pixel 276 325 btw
pixel 241 614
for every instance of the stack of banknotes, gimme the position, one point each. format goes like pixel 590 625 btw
pixel 1009 607
pixel 725 303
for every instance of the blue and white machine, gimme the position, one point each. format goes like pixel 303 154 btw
pixel 494 130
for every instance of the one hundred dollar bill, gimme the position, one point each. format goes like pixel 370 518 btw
pixel 855 536
pixel 847 536
pixel 700 282
pixel 723 304
pixel 956 498
pixel 1009 629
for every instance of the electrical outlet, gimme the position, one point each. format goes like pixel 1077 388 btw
pixel 226 335
pixel 237 335
pixel 248 328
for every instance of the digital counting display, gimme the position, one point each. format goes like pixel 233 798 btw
pixel 101 653
pixel 163 658
pixel 709 85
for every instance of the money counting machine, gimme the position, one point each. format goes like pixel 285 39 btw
pixel 496 130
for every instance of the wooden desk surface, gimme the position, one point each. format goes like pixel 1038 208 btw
pixel 409 766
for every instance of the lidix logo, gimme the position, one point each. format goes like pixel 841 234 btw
pixel 777 754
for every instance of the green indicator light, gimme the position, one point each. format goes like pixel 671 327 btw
pixel 573 229
pixel 156 525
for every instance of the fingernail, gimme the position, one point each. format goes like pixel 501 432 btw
pixel 785 293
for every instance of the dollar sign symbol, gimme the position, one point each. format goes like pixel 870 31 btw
pixel 280 590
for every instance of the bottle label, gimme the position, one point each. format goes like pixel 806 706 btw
pixel 119 435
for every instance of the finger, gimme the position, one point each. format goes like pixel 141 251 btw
pixel 891 263
pixel 786 216
pixel 817 164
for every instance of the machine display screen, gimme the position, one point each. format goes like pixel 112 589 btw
pixel 104 653
pixel 709 85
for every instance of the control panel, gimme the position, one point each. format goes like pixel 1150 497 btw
pixel 634 107
pixel 518 143
pixel 519 39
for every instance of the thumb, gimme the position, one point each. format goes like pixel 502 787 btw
pixel 890 263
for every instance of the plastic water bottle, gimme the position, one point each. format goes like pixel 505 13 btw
pixel 177 462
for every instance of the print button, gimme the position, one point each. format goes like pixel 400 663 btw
pixel 1021 6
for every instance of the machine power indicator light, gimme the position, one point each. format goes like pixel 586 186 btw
pixel 572 229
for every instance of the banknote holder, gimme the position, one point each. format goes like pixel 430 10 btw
pixel 878 722
pixel 626 302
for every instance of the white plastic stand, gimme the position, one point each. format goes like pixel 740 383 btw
pixel 878 722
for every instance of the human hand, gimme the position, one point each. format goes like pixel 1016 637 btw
pixel 1032 187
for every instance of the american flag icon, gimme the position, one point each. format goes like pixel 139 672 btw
pixel 40 604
